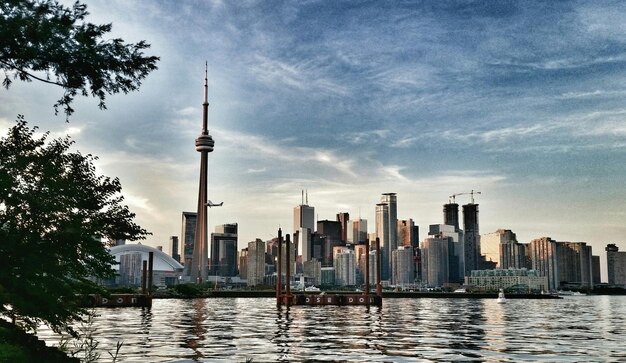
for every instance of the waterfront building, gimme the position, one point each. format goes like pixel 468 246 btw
pixel 471 246
pixel 522 280
pixel 174 248
pixel 304 216
pixel 256 262
pixel 456 257
pixel 435 260
pixel 223 261
pixel 616 265
pixel 345 268
pixel 313 270
pixel 188 234
pixel 343 218
pixel 502 248
pixel 574 261
pixel 595 270
pixel 403 266
pixel 543 257
pixel 129 261
pixel 387 230
pixel 327 276
pixel 357 231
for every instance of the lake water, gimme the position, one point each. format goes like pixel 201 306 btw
pixel 573 329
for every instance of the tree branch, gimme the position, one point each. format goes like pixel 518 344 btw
pixel 15 68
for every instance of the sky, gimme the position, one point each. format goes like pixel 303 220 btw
pixel 520 100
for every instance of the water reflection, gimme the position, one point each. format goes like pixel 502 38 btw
pixel 194 319
pixel 572 329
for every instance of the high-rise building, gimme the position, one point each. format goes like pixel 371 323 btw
pixel 574 259
pixel 387 230
pixel 595 270
pixel 408 233
pixel 471 247
pixel 130 269
pixel 313 270
pixel 331 230
pixel 243 264
pixel 502 248
pixel 304 247
pixel 343 218
pixel 304 216
pixel 435 256
pixel 256 262
pixel 188 234
pixel 543 257
pixel 403 267
pixel 345 267
pixel 616 265
pixel 174 248
pixel 357 231
pixel 456 256
pixel 451 215
pixel 223 261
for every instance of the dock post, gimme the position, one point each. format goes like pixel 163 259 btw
pixel 144 276
pixel 288 269
pixel 150 268
pixel 379 286
pixel 367 272
pixel 279 285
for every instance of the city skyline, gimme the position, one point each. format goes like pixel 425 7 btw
pixel 351 101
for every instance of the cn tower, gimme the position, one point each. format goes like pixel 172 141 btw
pixel 204 145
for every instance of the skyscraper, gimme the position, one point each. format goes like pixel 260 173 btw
pixel 451 215
pixel 471 244
pixel 357 231
pixel 408 233
pixel 188 234
pixel 204 145
pixel 616 265
pixel 343 218
pixel 387 230
pixel 456 256
pixel 574 259
pixel 435 257
pixel 256 262
pixel 500 246
pixel 543 257
pixel 345 267
pixel 403 267
pixel 223 261
pixel 304 216
pixel 174 248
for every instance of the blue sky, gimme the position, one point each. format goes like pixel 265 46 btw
pixel 523 101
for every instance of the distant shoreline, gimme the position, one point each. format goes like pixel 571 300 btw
pixel 386 295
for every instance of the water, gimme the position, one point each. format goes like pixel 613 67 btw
pixel 574 329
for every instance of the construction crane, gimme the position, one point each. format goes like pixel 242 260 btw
pixel 453 196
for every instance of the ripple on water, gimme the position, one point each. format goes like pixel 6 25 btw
pixel 411 330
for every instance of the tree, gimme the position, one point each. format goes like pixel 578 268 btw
pixel 54 210
pixel 46 41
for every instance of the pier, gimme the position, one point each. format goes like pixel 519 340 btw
pixel 284 296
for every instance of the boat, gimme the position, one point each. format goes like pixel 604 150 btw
pixel 501 299
pixel 311 288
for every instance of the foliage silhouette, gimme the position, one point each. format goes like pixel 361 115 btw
pixel 49 42
pixel 54 210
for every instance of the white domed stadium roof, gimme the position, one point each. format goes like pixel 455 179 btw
pixel 161 262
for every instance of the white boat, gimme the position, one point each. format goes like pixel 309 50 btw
pixel 501 299
pixel 311 288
